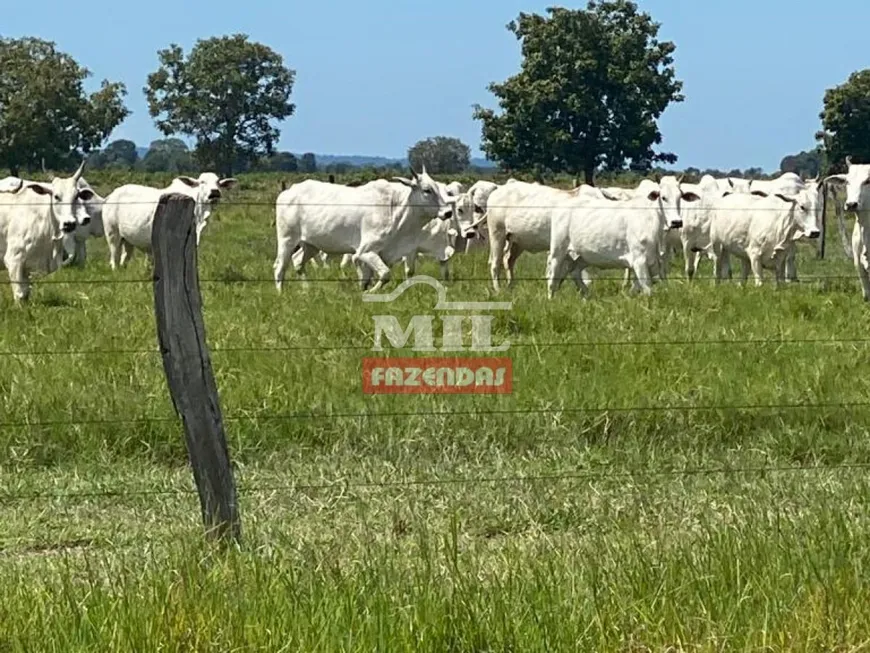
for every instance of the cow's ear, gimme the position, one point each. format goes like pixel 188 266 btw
pixel 759 193
pixel 404 180
pixel 86 194
pixel 229 182
pixel 785 198
pixel 727 193
pixel 653 196
pixel 690 197
pixel 188 181
pixel 39 189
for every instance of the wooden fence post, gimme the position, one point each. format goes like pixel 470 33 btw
pixel 186 361
pixel 823 227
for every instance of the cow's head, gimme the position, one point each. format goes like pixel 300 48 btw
pixel 469 216
pixel 803 213
pixel 669 196
pixel 207 190
pixel 90 211
pixel 428 195
pixel 67 199
pixel 436 238
pixel 857 182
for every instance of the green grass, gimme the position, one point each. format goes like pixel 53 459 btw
pixel 536 521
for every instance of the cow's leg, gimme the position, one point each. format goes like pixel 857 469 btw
pixel 113 240
pixel 286 248
pixel 18 279
pixel 757 270
pixel 380 269
pixel 627 281
pixel 497 243
pixel 642 273
pixel 746 268
pixel 410 264
pixel 862 271
pixel 308 252
pixel 556 265
pixel 364 274
pixel 81 252
pixel 691 261
pixel 510 262
pixel 126 253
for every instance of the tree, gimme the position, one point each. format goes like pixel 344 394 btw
pixel 168 155
pixel 442 155
pixel 591 87
pixel 846 120
pixel 121 153
pixel 45 114
pixel 278 162
pixel 226 95
pixel 806 164
pixel 308 164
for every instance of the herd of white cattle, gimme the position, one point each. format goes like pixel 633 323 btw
pixel 46 225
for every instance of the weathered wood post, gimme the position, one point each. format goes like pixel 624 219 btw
pixel 186 361
pixel 823 226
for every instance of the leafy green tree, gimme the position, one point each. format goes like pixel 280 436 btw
pixel 118 154
pixel 168 155
pixel 308 164
pixel 226 94
pixel 45 114
pixel 441 154
pixel 806 164
pixel 280 162
pixel 846 121
pixel 591 87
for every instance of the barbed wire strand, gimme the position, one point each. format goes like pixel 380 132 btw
pixel 349 280
pixel 453 413
pixel 609 473
pixel 513 345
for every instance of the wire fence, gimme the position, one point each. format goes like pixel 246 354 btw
pixel 603 472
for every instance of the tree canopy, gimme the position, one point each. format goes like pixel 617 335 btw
pixel 45 113
pixel 591 87
pixel 226 95
pixel 441 154
pixel 846 120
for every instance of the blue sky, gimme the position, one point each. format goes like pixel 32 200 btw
pixel 375 76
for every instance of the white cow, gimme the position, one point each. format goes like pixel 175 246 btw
pixel 76 245
pixel 694 236
pixel 128 212
pixel 758 230
pixel 608 234
pixel 857 182
pixel 379 222
pixel 34 217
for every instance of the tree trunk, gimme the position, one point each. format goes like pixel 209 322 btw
pixel 589 173
pixel 13 170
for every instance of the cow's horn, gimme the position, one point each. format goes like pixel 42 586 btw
pixel 849 160
pixel 80 170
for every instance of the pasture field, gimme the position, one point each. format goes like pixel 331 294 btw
pixel 689 471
